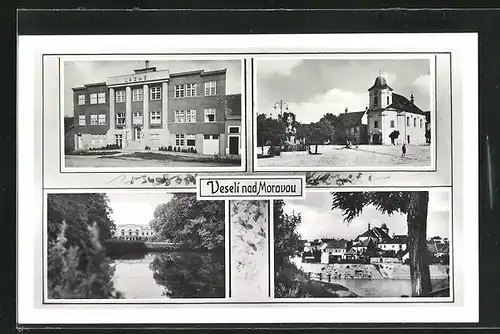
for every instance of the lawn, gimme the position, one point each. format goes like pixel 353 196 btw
pixel 363 156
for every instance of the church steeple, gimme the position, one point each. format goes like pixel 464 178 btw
pixel 380 94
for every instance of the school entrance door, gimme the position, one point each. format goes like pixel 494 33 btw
pixel 234 144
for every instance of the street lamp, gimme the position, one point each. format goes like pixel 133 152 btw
pixel 280 104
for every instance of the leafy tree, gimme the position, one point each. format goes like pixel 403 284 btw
pixel 287 241
pixel 77 226
pixel 270 131
pixel 394 135
pixel 334 120
pixel 191 223
pixel 412 203
pixel 320 132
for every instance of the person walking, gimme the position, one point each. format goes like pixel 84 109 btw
pixel 403 151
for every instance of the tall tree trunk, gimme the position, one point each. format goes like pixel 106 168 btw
pixel 417 243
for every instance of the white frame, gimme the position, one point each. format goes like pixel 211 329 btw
pixel 120 96
pixel 137 94
pixel 94 119
pixel 208 112
pixel 81 99
pixel 155 93
pixel 82 120
pixel 93 98
pixel 155 117
pixel 101 98
pixel 101 119
pixel 209 85
pixel 190 116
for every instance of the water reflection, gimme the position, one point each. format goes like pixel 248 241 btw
pixel 381 287
pixel 170 275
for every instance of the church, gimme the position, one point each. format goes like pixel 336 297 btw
pixel 387 113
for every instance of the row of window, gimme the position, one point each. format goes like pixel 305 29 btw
pixel 189 90
pixel 189 116
pixel 94 119
pixel 95 98
pixel 185 90
pixel 392 124
pixel 154 117
pixel 375 101
pixel 190 140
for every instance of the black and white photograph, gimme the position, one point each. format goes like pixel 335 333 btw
pixel 134 245
pixel 152 113
pixel 363 244
pixel 359 113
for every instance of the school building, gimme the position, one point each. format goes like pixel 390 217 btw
pixel 153 108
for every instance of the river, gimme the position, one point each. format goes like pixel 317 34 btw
pixel 380 287
pixel 170 275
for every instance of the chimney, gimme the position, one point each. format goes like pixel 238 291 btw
pixel 146 64
pixel 412 99
pixel 345 111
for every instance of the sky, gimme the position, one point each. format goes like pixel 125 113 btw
pixel 314 87
pixel 319 221
pixel 135 208
pixel 79 73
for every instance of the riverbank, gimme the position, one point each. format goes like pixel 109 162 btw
pixel 114 247
pixel 291 282
pixel 369 271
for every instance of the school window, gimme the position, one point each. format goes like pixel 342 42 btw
pixel 154 139
pixel 210 88
pixel 392 124
pixel 407 121
pixel 180 116
pixel 120 96
pixel 190 116
pixel 375 101
pixel 101 98
pixel 190 140
pixel 81 120
pixel 155 93
pixel 120 118
pixel 98 140
pixel 155 117
pixel 234 129
pixel 93 119
pixel 102 119
pixel 415 122
pixel 179 91
pixel 81 99
pixel 137 94
pixel 209 115
pixel 190 90
pixel 375 124
pixel 420 123
pixel 93 98
pixel 387 100
pixel 137 117
pixel 179 140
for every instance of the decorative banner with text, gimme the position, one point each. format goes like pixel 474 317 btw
pixel 250 187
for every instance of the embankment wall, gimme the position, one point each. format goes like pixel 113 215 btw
pixel 370 271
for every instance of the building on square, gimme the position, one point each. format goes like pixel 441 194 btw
pixel 386 113
pixel 153 108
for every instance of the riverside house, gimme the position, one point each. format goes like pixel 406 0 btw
pixel 333 251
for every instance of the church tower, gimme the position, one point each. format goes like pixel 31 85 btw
pixel 380 94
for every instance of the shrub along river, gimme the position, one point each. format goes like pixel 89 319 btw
pixel 172 274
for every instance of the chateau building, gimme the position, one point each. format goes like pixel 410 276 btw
pixel 133 231
pixel 153 108
pixel 386 113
